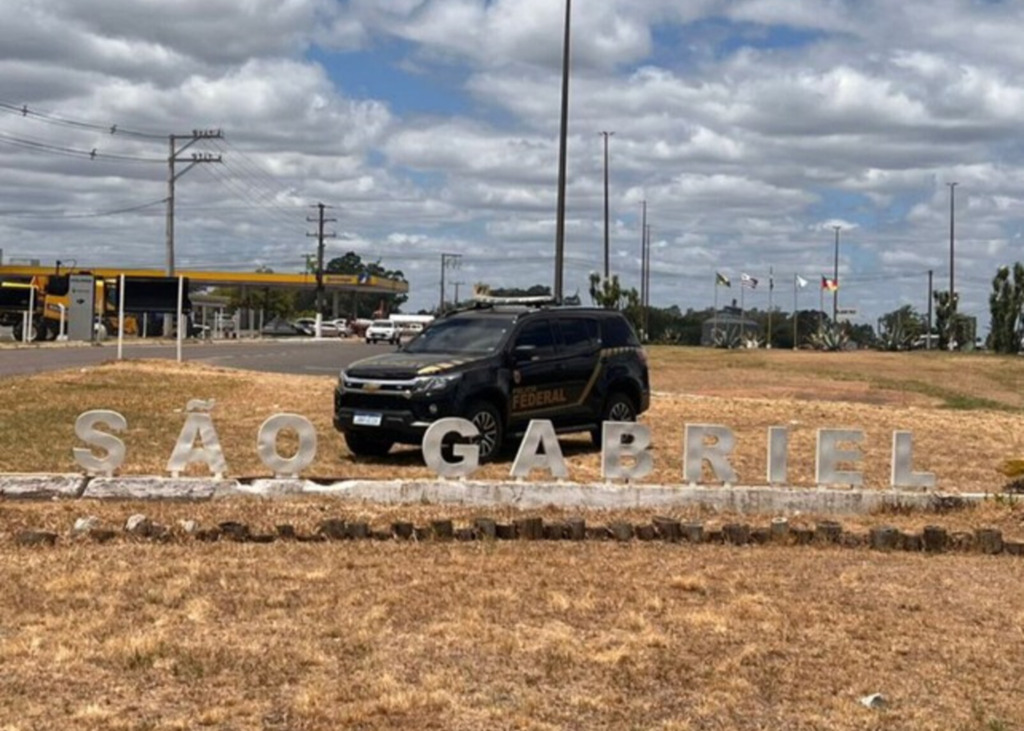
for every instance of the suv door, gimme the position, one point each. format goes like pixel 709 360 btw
pixel 580 364
pixel 537 370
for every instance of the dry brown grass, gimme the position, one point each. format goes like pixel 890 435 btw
pixel 747 391
pixel 372 635
pixel 531 636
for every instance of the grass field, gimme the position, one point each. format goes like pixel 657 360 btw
pixel 376 635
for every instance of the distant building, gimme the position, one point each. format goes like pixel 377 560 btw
pixel 731 325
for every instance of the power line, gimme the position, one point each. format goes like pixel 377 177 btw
pixel 93 154
pixel 50 118
pixel 91 214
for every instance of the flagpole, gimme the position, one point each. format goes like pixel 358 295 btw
pixel 795 311
pixel 743 308
pixel 771 288
pixel 714 316
pixel 821 308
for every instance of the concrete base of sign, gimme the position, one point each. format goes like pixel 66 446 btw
pixel 154 488
pixel 592 496
pixel 41 487
pixel 606 496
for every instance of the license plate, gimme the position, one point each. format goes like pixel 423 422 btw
pixel 366 419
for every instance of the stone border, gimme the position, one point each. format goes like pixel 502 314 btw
pixel 751 500
pixel 932 539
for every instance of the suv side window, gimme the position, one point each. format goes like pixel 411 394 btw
pixel 537 339
pixel 579 335
pixel 617 333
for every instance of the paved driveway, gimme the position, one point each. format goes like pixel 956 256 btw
pixel 307 357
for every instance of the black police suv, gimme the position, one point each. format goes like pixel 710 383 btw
pixel 499 367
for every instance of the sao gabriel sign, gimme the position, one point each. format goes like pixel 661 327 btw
pixel 625 450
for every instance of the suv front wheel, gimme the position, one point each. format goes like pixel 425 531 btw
pixel 618 407
pixel 487 419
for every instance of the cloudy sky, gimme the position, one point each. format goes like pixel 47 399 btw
pixel 750 127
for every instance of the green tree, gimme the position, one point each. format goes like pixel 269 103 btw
pixel 358 304
pixel 610 295
pixel 945 318
pixel 900 328
pixel 1006 306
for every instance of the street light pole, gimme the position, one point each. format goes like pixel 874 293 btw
pixel 606 135
pixel 952 288
pixel 835 279
pixel 562 144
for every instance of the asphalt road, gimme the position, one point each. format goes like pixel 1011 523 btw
pixel 308 357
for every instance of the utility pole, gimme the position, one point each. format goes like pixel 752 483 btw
pixel 448 261
pixel 195 159
pixel 562 145
pixel 647 283
pixel 928 338
pixel 456 285
pixel 835 281
pixel 643 259
pixel 320 236
pixel 606 135
pixel 952 218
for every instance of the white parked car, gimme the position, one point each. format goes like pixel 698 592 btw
pixel 328 328
pixel 382 331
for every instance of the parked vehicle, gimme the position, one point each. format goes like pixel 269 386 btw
pixel 382 331
pixel 279 328
pixel 499 367
pixel 328 328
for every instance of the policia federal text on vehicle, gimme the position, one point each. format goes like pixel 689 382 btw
pixel 499 365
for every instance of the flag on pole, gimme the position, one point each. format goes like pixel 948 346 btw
pixel 801 282
pixel 748 281
pixel 721 279
pixel 830 284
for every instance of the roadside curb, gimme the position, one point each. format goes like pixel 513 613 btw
pixel 752 500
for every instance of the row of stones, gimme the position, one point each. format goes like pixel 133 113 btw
pixel 932 539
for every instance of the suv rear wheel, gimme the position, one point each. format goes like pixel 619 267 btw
pixel 368 445
pixel 617 407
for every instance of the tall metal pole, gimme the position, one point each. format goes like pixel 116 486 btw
pixel 440 306
pixel 928 338
pixel 562 144
pixel 647 284
pixel 169 227
pixel 835 280
pixel 606 135
pixel 643 260
pixel 952 214
pixel 173 176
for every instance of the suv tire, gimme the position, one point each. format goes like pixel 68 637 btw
pixel 368 445
pixel 487 419
pixel 617 407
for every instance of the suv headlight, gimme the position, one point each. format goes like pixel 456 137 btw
pixel 342 380
pixel 433 384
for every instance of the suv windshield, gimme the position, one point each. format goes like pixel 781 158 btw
pixel 461 335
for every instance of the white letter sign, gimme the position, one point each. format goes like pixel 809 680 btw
pixel 696 450
pixel 266 444
pixel 827 471
pixel 433 440
pixel 209 452
pixel 85 429
pixel 613 450
pixel 903 474
pixel 540 431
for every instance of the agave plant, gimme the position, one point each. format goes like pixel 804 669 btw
pixel 752 342
pixel 724 339
pixel 831 337
pixel 896 338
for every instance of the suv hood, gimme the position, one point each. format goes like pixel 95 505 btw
pixel 404 366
